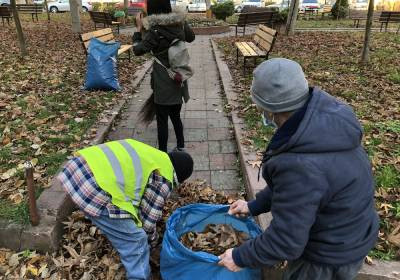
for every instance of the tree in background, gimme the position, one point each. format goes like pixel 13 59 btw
pixel 292 17
pixel 126 3
pixel 340 9
pixel 367 37
pixel 223 10
pixel 75 17
pixel 20 33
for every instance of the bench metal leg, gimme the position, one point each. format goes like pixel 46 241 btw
pixel 386 26
pixel 129 55
pixel 244 65
pixel 244 30
pixel 398 29
pixel 236 31
pixel 237 55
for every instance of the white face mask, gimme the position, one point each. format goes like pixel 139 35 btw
pixel 267 122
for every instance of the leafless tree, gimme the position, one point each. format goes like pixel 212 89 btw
pixel 292 17
pixel 367 37
pixel 20 33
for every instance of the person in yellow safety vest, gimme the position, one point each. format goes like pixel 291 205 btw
pixel 122 187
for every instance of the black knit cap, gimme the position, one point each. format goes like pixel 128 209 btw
pixel 183 165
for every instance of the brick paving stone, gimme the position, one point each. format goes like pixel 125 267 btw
pixel 195 114
pixel 219 133
pixel 225 179
pixel 215 115
pixel 201 175
pixel 196 147
pixel 221 122
pixel 201 162
pixel 195 123
pixel 227 146
pixel 121 133
pixel 195 134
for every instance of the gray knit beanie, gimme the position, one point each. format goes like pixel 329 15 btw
pixel 279 85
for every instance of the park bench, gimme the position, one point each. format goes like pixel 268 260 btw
pixel 358 16
pixel 387 17
pixel 307 14
pixel 103 18
pixel 32 9
pixel 5 14
pixel 263 42
pixel 266 17
pixel 105 35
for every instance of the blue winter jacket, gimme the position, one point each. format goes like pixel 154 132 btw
pixel 320 190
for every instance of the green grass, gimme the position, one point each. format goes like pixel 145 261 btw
pixel 387 177
pixel 394 77
pixel 17 213
pixel 385 256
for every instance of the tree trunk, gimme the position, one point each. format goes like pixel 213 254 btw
pixel 367 38
pixel 208 9
pixel 338 9
pixel 126 4
pixel 75 17
pixel 46 6
pixel 20 33
pixel 292 17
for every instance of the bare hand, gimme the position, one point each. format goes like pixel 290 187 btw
pixel 239 208
pixel 227 261
pixel 139 23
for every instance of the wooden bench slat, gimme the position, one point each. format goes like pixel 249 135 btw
pixel 242 49
pixel 101 32
pixel 259 51
pixel 249 49
pixel 264 36
pixel 268 30
pixel 124 48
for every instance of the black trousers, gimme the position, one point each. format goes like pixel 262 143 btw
pixel 162 114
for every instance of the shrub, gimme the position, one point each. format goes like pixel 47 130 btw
pixel 223 10
pixel 282 16
pixel 340 9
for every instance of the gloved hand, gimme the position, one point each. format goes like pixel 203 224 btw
pixel 239 208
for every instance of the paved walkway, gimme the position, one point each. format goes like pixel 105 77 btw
pixel 207 129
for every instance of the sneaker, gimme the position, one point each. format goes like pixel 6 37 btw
pixel 176 149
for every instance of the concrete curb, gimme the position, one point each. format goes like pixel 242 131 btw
pixel 54 204
pixel 380 270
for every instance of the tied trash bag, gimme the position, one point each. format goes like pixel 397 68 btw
pixel 179 262
pixel 101 71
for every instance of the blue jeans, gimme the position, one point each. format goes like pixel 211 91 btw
pixel 130 242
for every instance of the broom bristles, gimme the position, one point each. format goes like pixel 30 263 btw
pixel 148 111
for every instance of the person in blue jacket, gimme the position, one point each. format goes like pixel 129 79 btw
pixel 320 187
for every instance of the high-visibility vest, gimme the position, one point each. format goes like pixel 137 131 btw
pixel 122 169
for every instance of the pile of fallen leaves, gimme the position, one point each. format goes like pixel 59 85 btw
pixel 331 61
pixel 44 112
pixel 214 239
pixel 86 254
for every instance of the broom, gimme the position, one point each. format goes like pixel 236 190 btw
pixel 148 111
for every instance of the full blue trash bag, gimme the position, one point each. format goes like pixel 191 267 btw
pixel 101 68
pixel 180 263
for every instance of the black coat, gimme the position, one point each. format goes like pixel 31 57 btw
pixel 160 31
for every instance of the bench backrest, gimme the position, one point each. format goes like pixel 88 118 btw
pixel 254 9
pixel 265 37
pixel 5 11
pixel 267 17
pixel 105 35
pixel 100 17
pixel 30 8
pixel 362 14
pixel 389 16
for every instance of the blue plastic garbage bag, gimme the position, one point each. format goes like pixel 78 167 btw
pixel 101 69
pixel 180 263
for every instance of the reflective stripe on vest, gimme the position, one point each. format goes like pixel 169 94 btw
pixel 122 168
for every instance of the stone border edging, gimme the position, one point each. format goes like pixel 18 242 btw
pixel 210 30
pixel 380 270
pixel 54 205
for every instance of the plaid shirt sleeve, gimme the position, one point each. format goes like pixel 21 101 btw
pixel 152 204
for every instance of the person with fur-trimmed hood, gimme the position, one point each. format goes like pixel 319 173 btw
pixel 154 34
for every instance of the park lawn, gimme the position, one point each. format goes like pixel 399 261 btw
pixel 44 113
pixel 331 62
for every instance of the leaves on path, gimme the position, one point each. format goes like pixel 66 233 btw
pixel 44 113
pixel 86 254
